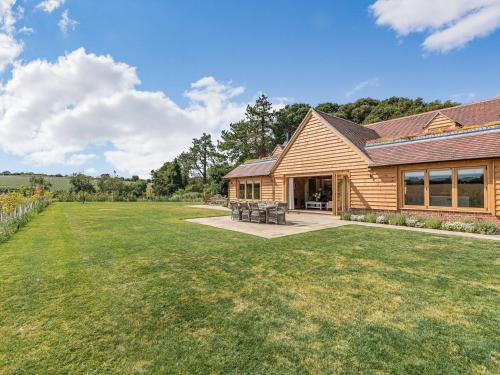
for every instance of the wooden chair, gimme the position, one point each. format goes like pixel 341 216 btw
pixel 277 214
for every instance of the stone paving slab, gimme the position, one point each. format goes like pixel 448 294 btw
pixel 210 207
pixel 296 224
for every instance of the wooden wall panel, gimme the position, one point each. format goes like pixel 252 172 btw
pixel 317 149
pixel 266 188
pixel 233 189
pixel 279 189
pixel 497 186
pixel 440 122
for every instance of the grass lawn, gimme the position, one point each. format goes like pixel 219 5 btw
pixel 130 287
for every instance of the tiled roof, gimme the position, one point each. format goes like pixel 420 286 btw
pixel 483 143
pixel 477 145
pixel 356 134
pixel 469 114
pixel 253 168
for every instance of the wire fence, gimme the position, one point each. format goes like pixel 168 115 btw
pixel 21 210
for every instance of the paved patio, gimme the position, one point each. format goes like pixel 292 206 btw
pixel 296 223
pixel 305 222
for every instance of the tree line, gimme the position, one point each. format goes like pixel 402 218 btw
pixel 202 167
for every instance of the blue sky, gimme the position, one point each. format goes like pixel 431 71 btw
pixel 307 51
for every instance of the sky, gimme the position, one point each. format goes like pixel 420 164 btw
pixel 124 85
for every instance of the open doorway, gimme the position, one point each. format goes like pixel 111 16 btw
pixel 310 193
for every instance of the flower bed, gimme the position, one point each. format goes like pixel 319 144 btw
pixel 467 226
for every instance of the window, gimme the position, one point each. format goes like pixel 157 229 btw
pixel 256 190
pixel 414 186
pixel 470 187
pixel 458 188
pixel 249 194
pixel 242 190
pixel 440 188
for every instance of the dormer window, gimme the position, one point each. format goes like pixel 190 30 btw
pixel 441 123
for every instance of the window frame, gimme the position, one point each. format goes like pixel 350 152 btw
pixel 428 190
pixel 485 186
pixel 249 181
pixel 454 189
pixel 404 185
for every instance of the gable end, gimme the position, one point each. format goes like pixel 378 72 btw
pixel 440 122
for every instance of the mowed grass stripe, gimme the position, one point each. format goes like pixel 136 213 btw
pixel 131 287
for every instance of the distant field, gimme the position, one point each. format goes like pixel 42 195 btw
pixel 58 183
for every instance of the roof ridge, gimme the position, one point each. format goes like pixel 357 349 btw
pixel 430 137
pixel 263 160
pixel 336 117
pixel 434 111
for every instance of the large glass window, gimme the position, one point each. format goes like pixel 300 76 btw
pixel 414 188
pixel 249 194
pixel 256 190
pixel 440 188
pixel 242 190
pixel 470 187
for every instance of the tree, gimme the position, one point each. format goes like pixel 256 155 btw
pixel 167 179
pixel 185 161
pixel 216 173
pixel 261 117
pixel 39 182
pixel 137 188
pixel 202 153
pixel 328 107
pixel 250 138
pixel 81 183
pixel 288 120
pixel 115 186
pixel 238 142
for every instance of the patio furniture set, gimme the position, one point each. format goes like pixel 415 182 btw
pixel 262 212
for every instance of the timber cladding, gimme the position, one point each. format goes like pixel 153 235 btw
pixel 317 149
pixel 331 147
pixel 496 164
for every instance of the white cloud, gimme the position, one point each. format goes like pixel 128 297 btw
pixel 51 112
pixel 26 30
pixel 10 48
pixel 463 97
pixel 80 159
pixel 90 171
pixel 50 5
pixel 363 85
pixel 450 24
pixel 66 23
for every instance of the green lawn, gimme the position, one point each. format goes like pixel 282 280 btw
pixel 130 287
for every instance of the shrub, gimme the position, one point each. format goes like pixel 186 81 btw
pixel 397 219
pixel 433 223
pixel 345 215
pixel 371 218
pixel 485 227
pixel 411 221
pixel 186 197
pixel 382 219
pixel 360 218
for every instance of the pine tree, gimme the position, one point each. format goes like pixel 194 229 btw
pixel 261 118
